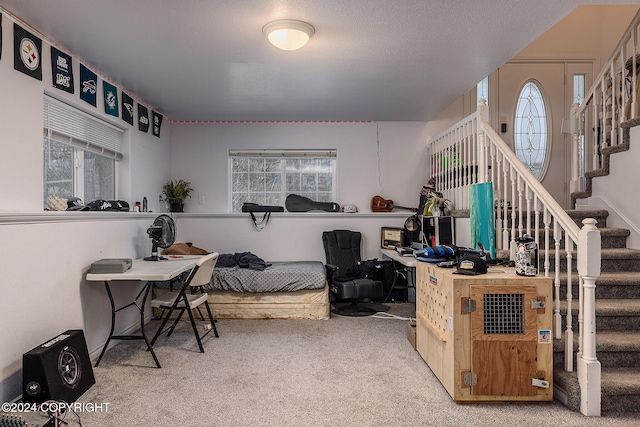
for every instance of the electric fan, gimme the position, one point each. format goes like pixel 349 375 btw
pixel 162 234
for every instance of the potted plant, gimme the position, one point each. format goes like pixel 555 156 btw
pixel 436 204
pixel 175 193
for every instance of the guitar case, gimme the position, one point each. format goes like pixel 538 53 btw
pixel 297 203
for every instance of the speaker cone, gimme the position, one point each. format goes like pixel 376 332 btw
pixel 69 367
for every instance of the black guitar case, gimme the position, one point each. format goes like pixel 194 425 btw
pixel 296 203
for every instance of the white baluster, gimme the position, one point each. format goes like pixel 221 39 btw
pixel 557 318
pixel 568 333
pixel 512 241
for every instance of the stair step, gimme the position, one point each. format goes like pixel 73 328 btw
pixel 611 315
pixel 613 348
pixel 612 259
pixel 610 238
pixel 609 285
pixel 620 388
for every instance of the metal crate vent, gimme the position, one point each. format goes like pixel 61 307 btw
pixel 503 313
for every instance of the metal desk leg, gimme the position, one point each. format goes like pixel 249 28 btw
pixel 140 308
pixel 144 334
pixel 113 323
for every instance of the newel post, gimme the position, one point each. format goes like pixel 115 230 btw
pixel 589 374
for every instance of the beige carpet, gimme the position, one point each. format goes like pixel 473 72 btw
pixel 338 372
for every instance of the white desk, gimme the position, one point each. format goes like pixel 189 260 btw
pixel 409 263
pixel 141 271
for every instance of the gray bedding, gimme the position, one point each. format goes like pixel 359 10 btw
pixel 279 277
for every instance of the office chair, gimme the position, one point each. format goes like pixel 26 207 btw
pixel 342 250
pixel 187 301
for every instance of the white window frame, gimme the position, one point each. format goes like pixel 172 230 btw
pixel 84 132
pixel 283 155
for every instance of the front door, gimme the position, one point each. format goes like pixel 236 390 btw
pixel 556 82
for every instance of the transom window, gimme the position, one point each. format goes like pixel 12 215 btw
pixel 530 128
pixel 267 177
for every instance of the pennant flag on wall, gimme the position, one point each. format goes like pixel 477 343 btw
pixel 110 98
pixel 143 118
pixel 88 85
pixel 61 70
pixel 27 52
pixel 127 108
pixel 157 122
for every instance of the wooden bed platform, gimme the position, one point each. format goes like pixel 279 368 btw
pixel 303 304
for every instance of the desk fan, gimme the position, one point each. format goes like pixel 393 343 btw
pixel 162 234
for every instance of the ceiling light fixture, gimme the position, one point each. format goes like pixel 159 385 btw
pixel 288 34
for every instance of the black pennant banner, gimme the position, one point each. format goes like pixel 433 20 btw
pixel 143 118
pixel 88 85
pixel 157 123
pixel 27 52
pixel 127 108
pixel 61 70
pixel 110 98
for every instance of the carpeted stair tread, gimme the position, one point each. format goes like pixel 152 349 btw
pixel 607 253
pixel 613 231
pixel 605 341
pixel 586 213
pixel 620 253
pixel 608 307
pixel 620 381
pixel 614 382
pixel 608 277
pixel 617 341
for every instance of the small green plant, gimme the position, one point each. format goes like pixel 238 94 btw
pixel 176 191
pixel 436 204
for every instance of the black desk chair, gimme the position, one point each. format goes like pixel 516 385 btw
pixel 347 284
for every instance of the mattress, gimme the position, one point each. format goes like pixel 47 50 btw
pixel 278 277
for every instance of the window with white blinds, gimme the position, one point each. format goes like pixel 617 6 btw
pixel 74 127
pixel 80 155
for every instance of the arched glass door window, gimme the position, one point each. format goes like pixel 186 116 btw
pixel 530 130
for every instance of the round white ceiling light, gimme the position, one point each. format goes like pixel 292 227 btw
pixel 288 34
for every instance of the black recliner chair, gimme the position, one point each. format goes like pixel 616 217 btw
pixel 347 284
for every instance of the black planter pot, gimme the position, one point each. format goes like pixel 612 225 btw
pixel 177 207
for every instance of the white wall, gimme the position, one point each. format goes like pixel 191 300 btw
pixel 615 192
pixel 386 158
pixel 44 255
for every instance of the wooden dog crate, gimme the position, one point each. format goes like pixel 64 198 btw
pixel 487 337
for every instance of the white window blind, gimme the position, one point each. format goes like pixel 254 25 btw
pixel 79 129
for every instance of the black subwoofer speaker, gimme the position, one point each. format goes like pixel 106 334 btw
pixel 59 369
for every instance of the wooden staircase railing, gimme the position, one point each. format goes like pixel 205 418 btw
pixel 471 152
pixel 611 101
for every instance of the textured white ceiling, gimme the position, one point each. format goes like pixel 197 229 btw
pixel 368 60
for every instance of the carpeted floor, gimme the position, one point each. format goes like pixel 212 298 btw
pixel 338 372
